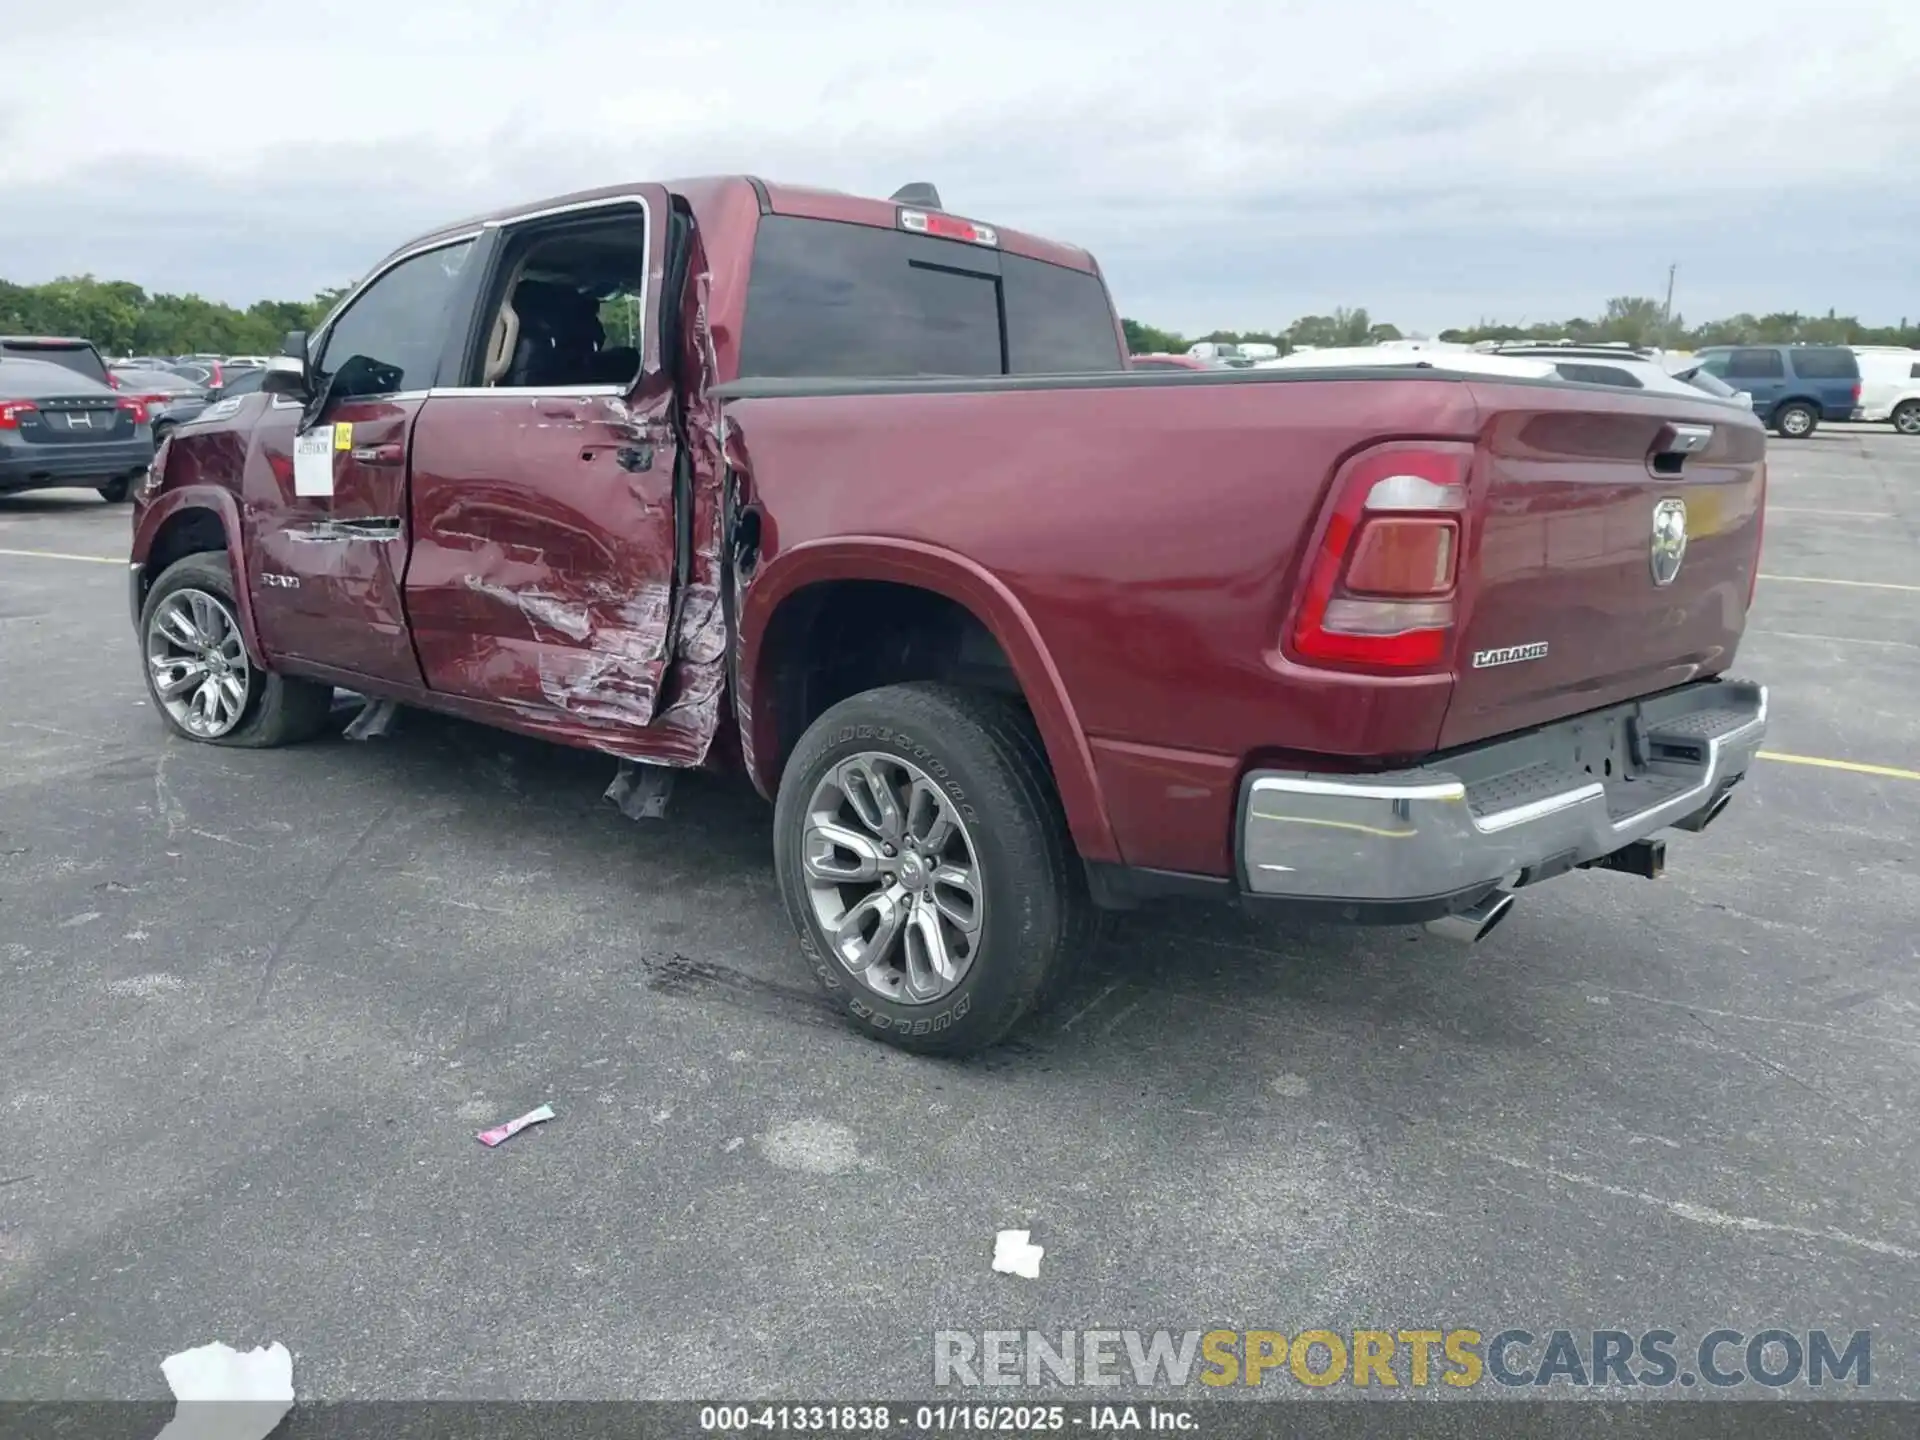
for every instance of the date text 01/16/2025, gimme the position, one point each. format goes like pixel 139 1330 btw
pixel 880 1419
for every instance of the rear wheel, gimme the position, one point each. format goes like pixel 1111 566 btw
pixel 926 864
pixel 114 491
pixel 1906 417
pixel 199 674
pixel 1796 420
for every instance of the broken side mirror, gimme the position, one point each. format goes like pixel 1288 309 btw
pixel 286 373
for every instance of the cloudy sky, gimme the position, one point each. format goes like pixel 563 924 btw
pixel 1233 164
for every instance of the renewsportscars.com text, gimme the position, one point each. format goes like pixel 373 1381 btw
pixel 1414 1358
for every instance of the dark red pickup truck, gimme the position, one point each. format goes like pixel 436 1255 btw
pixel 862 497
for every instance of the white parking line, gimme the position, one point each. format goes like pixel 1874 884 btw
pixel 1837 639
pixel 1850 584
pixel 1822 510
pixel 59 555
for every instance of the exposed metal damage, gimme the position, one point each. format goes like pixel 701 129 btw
pixel 550 611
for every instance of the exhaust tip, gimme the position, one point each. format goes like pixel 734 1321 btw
pixel 1476 922
pixel 1502 904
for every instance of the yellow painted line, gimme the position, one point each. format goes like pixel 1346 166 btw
pixel 1852 584
pixel 1893 772
pixel 1337 825
pixel 59 555
pixel 1822 510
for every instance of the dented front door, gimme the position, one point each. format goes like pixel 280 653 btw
pixel 542 568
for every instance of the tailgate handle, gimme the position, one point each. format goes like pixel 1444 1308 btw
pixel 1677 441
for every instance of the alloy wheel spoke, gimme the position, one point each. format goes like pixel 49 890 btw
pixel 173 678
pixel 928 819
pixel 930 966
pixel 840 855
pixel 868 932
pixel 954 895
pixel 870 794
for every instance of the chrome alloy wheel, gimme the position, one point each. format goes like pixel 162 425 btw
pixel 893 877
pixel 198 663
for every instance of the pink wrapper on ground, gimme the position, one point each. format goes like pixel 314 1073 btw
pixel 493 1137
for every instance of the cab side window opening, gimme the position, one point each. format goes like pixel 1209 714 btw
pixel 388 339
pixel 569 307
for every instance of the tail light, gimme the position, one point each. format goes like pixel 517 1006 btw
pixel 135 405
pixel 1383 591
pixel 12 410
pixel 1759 537
pixel 1856 393
pixel 113 381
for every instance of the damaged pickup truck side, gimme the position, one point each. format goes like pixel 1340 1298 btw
pixel 861 497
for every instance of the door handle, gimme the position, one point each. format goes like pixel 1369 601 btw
pixel 380 455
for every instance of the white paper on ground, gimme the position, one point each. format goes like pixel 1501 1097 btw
pixel 227 1394
pixel 1013 1254
pixel 313 462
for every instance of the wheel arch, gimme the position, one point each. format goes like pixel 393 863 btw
pixel 193 520
pixel 788 592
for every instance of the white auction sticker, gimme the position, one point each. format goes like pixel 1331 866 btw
pixel 313 462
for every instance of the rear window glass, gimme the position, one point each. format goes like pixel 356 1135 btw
pixel 1825 365
pixel 832 299
pixel 1755 365
pixel 80 359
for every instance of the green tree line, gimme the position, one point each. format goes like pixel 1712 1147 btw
pixel 1635 319
pixel 123 319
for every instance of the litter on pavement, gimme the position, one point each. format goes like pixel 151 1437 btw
pixel 498 1133
pixel 1014 1254
pixel 228 1394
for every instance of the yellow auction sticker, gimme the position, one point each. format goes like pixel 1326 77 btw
pixel 343 435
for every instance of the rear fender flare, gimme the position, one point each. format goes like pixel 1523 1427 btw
pixel 966 583
pixel 221 503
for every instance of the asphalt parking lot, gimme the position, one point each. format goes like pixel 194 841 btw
pixel 258 1003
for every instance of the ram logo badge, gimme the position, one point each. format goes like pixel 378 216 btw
pixel 1509 655
pixel 284 582
pixel 1669 540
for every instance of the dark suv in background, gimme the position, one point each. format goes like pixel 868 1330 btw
pixel 62 423
pixel 1794 387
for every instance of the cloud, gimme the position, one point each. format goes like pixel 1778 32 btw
pixel 1231 163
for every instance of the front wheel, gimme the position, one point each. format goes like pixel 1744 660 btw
pixel 1906 417
pixel 1796 421
pixel 199 674
pixel 926 864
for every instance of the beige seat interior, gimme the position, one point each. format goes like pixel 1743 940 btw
pixel 500 342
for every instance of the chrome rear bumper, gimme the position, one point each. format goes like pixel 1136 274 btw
pixel 1529 806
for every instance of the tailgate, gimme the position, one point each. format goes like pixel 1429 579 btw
pixel 1581 592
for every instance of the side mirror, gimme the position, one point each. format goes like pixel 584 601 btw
pixel 286 375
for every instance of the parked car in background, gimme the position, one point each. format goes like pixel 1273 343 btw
pixel 1220 352
pixel 209 375
pixel 1890 386
pixel 170 399
pixel 69 352
pixel 247 362
pixel 61 427
pixel 1627 368
pixel 1163 361
pixel 244 382
pixel 1794 387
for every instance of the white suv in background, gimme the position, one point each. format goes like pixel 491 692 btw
pixel 1889 386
